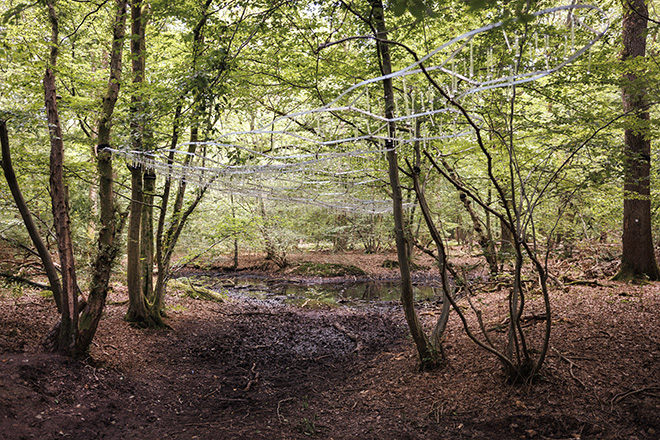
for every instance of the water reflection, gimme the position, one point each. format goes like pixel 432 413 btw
pixel 329 293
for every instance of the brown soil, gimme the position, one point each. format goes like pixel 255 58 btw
pixel 254 370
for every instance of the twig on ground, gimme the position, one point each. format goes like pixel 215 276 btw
pixel 279 404
pixel 254 379
pixel 619 397
pixel 570 368
pixel 212 392
pixel 352 336
pixel 12 278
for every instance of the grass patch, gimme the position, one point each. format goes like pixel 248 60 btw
pixel 186 286
pixel 177 308
pixel 328 270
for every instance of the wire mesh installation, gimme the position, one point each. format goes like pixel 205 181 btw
pixel 333 156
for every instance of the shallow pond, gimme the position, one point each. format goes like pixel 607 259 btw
pixel 343 293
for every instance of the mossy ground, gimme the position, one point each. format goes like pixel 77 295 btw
pixel 328 270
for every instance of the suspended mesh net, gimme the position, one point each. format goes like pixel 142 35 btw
pixel 333 156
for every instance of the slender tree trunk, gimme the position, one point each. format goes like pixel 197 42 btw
pixel 233 216
pixel 638 259
pixel 437 336
pixel 42 250
pixel 162 265
pixel 107 247
pixel 428 356
pixel 68 326
pixel 69 323
pixel 166 240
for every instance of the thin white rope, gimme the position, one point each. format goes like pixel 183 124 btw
pixel 330 178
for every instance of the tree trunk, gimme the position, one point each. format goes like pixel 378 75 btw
pixel 166 240
pixel 68 326
pixel 163 266
pixel 638 259
pixel 137 308
pixel 153 304
pixel 427 355
pixel 437 336
pixel 69 323
pixel 107 247
pixel 147 234
pixel 42 250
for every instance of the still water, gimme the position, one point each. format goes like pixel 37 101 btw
pixel 345 293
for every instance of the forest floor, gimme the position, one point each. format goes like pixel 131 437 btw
pixel 249 369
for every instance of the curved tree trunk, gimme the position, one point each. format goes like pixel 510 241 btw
pixel 33 231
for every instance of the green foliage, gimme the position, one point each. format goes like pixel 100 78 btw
pixel 259 60
pixel 328 270
pixel 417 8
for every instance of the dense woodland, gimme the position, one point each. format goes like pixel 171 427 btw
pixel 142 138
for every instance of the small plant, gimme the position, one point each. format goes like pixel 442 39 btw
pixel 16 291
pixel 308 426
pixel 48 294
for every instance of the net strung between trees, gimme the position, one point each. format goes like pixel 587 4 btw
pixel 332 156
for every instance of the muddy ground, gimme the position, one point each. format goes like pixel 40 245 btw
pixel 246 369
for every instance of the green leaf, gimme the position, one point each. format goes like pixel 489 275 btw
pixel 399 7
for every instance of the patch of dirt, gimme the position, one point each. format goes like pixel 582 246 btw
pixel 251 370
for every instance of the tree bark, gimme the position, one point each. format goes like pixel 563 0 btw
pixel 638 259
pixel 147 235
pixel 166 240
pixel 33 231
pixel 137 308
pixel 161 264
pixel 437 335
pixel 428 356
pixel 107 247
pixel 68 326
